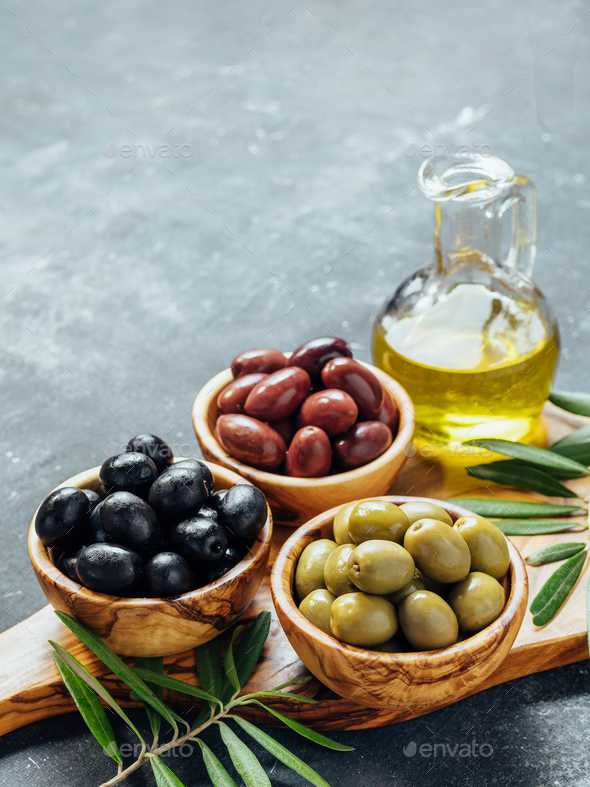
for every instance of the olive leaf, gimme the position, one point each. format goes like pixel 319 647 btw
pixel 553 553
pixel 537 527
pixel 302 679
pixel 172 683
pixel 248 652
pixel 282 755
pixel 579 437
pixel 539 457
pixel 163 774
pixel 311 735
pixel 515 509
pixel 209 669
pixel 522 476
pixel 271 693
pixel 578 403
pixel 555 591
pixel 88 704
pixel 217 773
pixel 229 664
pixel 155 665
pixel 245 761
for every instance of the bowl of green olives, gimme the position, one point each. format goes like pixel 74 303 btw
pixel 154 561
pixel 400 602
pixel 312 429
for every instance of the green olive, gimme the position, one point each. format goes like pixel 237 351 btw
pixel 380 567
pixel 423 509
pixel 487 545
pixel 437 587
pixel 438 550
pixel 341 523
pixel 476 601
pixel 336 571
pixel 427 621
pixel 413 585
pixel 363 620
pixel 310 568
pixel 377 519
pixel 317 608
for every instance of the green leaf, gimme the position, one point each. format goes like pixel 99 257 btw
pixel 555 591
pixel 515 509
pixel 553 553
pixel 578 403
pixel 88 704
pixel 154 665
pixel 217 773
pixel 248 652
pixel 91 681
pixel 521 476
pixel 121 670
pixel 537 527
pixel 171 683
pixel 163 774
pixel 579 437
pixel 273 693
pixel 311 735
pixel 203 715
pixel 540 457
pixel 244 760
pixel 302 679
pixel 281 754
pixel 229 664
pixel 209 669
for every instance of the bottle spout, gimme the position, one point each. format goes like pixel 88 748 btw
pixel 465 179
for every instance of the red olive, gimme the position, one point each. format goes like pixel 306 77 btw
pixel 358 381
pixel 286 428
pixel 250 441
pixel 253 361
pixel 332 410
pixel 362 443
pixel 389 414
pixel 233 396
pixel 310 453
pixel 279 395
pixel 312 355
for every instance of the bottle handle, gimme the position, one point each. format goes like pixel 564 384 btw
pixel 521 202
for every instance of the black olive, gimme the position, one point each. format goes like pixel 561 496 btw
pixel 168 574
pixel 62 517
pixel 216 499
pixel 67 563
pixel 94 498
pixel 243 511
pixel 128 473
pixel 110 568
pixel 95 530
pixel 154 447
pixel 178 494
pixel 235 553
pixel 208 513
pixel 200 468
pixel 199 540
pixel 218 569
pixel 127 519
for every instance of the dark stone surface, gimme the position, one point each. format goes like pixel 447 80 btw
pixel 128 282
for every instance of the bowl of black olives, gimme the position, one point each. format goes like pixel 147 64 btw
pixel 154 555
pixel 398 602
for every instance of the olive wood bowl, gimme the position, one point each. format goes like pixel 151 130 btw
pixel 156 626
pixel 396 681
pixel 295 500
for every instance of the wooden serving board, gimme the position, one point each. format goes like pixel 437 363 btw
pixel 30 688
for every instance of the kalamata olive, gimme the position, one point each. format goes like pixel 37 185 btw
pixel 201 469
pixel 133 472
pixel 199 540
pixel 310 454
pixel 312 355
pixel 178 494
pixel 110 568
pixel 169 574
pixel 243 511
pixel 94 498
pixel 286 427
pixel 216 499
pixel 358 381
pixel 130 521
pixel 62 517
pixel 250 441
pixel 278 395
pixel 389 414
pixel 255 361
pixel 67 563
pixel 362 443
pixel 157 449
pixel 332 410
pixel 234 395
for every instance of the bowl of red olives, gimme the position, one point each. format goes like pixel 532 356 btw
pixel 312 429
pixel 400 602
pixel 154 555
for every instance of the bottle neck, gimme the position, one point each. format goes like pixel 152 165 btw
pixel 465 232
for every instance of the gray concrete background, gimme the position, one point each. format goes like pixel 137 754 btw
pixel 128 282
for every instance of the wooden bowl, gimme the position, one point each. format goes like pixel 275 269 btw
pixel 396 681
pixel 295 500
pixel 156 626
